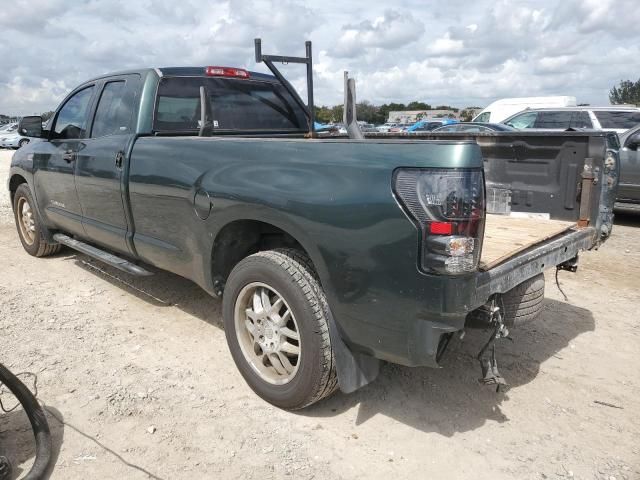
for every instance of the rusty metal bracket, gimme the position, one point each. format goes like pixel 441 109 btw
pixel 588 180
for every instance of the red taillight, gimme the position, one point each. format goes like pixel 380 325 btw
pixel 441 228
pixel 449 206
pixel 226 72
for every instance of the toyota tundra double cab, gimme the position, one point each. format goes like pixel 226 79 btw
pixel 330 255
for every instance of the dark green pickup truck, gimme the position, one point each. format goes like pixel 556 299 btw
pixel 330 254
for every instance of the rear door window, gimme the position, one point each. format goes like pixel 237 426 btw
pixel 617 119
pixel 553 120
pixel 581 120
pixel 115 108
pixel 237 105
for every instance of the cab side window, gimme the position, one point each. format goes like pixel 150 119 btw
pixel 71 121
pixel 114 111
pixel 554 120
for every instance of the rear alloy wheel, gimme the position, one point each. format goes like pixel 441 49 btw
pixel 267 333
pixel 276 321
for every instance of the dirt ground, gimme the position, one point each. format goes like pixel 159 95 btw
pixel 140 374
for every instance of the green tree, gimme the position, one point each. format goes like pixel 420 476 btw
pixel 337 112
pixel 418 106
pixel 383 110
pixel 446 107
pixel 367 112
pixel 626 91
pixel 329 114
pixel 466 115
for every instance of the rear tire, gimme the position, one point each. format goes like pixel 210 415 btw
pixel 32 232
pixel 523 303
pixel 256 335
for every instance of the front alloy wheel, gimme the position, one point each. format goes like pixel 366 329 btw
pixel 32 232
pixel 26 223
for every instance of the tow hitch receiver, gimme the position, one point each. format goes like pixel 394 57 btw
pixel 488 362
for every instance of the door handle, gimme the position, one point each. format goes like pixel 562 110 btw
pixel 69 156
pixel 119 159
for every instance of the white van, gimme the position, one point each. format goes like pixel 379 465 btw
pixel 503 109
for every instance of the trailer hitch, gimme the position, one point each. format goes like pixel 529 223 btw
pixel 488 362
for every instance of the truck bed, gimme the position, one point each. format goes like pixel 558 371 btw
pixel 506 236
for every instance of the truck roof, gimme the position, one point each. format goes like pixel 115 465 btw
pixel 180 72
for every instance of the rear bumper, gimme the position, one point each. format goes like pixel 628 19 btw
pixel 417 346
pixel 532 262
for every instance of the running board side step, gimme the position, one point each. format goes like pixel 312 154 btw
pixel 108 258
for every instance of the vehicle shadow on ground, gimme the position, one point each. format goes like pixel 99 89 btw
pixel 17 442
pixel 450 400
pixel 627 218
pixel 446 400
pixel 163 289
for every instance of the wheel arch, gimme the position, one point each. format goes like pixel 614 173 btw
pixel 14 182
pixel 241 237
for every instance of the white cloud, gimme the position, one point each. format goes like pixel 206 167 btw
pixel 460 53
pixel 390 31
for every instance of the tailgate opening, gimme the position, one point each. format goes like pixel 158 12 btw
pixel 505 236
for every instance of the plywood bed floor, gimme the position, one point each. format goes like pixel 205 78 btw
pixel 504 236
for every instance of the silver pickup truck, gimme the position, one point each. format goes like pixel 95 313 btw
pixel 629 186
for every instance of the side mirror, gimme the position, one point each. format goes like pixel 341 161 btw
pixel 30 126
pixel 633 142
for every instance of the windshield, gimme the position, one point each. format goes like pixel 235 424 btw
pixel 237 105
pixel 483 117
pixel 617 119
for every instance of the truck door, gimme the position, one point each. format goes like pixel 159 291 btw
pixel 100 161
pixel 629 187
pixel 55 160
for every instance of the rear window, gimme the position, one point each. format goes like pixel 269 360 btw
pixel 237 105
pixel 617 119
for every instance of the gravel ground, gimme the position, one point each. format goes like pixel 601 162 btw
pixel 139 371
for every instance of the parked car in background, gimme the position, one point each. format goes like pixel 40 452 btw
pixel 474 127
pixel 400 127
pixel 385 128
pixel 612 118
pixel 506 107
pixel 629 183
pixel 10 138
pixel 8 128
pixel 367 127
pixel 429 125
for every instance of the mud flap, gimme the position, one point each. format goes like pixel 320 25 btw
pixel 354 369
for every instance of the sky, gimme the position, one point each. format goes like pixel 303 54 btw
pixel 441 52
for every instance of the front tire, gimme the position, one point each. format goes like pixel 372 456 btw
pixel 32 232
pixel 276 324
pixel 23 142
